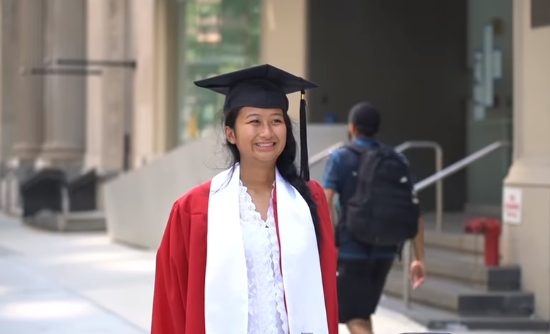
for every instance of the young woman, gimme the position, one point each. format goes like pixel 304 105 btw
pixel 251 251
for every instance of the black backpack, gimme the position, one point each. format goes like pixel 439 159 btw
pixel 383 210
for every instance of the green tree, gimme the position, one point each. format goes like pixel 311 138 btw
pixel 219 36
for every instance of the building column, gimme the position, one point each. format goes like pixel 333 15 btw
pixel 526 230
pixel 284 41
pixel 65 94
pixel 9 75
pixel 108 97
pixel 144 101
pixel 29 104
pixel 166 41
pixel 3 110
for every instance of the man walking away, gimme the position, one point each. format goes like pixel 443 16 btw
pixel 378 213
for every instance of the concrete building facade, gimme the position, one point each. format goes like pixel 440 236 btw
pixel 107 85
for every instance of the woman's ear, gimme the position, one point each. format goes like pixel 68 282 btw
pixel 230 135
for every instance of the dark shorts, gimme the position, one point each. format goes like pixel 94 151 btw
pixel 360 286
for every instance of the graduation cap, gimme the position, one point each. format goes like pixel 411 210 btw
pixel 264 86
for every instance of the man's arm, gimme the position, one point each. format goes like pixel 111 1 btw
pixel 330 199
pixel 331 184
pixel 418 266
pixel 418 242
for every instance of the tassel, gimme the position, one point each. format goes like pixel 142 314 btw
pixel 304 159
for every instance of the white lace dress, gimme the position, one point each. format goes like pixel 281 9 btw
pixel 266 306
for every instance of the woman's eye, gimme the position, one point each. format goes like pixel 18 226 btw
pixel 255 121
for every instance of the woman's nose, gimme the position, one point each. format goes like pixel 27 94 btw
pixel 266 131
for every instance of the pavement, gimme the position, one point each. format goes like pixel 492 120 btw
pixel 82 283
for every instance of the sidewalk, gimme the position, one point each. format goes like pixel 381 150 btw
pixel 84 284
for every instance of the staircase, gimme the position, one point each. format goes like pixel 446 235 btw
pixel 460 292
pixel 86 221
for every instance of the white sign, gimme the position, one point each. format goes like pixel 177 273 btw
pixel 512 206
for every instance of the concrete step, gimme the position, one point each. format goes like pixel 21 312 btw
pixel 459 242
pixel 85 221
pixel 69 222
pixel 470 269
pixel 463 299
pixel 438 320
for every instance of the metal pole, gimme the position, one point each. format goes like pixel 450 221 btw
pixel 438 167
pixel 406 267
pixel 457 166
pixel 438 190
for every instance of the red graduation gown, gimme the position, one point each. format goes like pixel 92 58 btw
pixel 178 305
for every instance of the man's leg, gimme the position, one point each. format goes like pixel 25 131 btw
pixel 380 271
pixel 354 301
pixel 360 326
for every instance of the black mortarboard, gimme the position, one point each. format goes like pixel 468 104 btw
pixel 264 86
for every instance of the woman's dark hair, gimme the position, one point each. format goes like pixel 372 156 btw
pixel 285 163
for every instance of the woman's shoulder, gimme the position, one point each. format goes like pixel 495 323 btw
pixel 195 200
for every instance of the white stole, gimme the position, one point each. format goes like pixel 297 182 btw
pixel 226 281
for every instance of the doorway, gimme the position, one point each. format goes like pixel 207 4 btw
pixel 406 57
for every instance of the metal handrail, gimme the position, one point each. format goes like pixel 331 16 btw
pixel 438 166
pixel 317 158
pixel 407 249
pixel 457 166
pixel 436 178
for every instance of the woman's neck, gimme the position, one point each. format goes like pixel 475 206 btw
pixel 257 177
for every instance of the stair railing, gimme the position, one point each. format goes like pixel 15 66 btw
pixel 317 158
pixel 461 164
pixel 438 177
pixel 438 166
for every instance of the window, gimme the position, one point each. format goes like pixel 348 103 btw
pixel 215 36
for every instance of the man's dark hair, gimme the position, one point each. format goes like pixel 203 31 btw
pixel 366 118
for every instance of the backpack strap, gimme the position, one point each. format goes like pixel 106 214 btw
pixel 366 169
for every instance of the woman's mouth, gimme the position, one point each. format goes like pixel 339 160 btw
pixel 265 146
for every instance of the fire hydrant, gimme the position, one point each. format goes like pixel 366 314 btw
pixel 491 229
